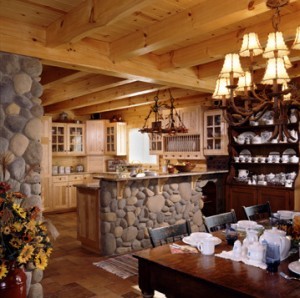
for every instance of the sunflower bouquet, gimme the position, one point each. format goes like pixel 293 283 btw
pixel 23 238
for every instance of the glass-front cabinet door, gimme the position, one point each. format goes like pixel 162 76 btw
pixel 215 133
pixel 68 139
pixel 76 137
pixel 110 139
pixel 58 138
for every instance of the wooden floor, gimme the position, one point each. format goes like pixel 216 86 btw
pixel 71 272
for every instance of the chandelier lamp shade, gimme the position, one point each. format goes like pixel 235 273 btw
pixel 245 100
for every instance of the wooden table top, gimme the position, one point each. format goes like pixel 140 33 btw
pixel 239 279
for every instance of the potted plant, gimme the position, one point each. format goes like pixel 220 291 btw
pixel 23 237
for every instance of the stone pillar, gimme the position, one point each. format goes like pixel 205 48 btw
pixel 20 133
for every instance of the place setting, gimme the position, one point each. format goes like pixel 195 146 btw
pixel 197 242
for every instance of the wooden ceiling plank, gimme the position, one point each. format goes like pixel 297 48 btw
pixel 89 16
pixel 56 76
pixel 131 102
pixel 131 89
pixel 84 86
pixel 85 56
pixel 217 47
pixel 190 22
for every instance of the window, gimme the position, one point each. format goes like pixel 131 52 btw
pixel 139 148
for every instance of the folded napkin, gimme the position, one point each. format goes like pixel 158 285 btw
pixel 229 255
pixel 182 249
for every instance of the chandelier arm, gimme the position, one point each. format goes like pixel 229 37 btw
pixel 231 121
pixel 275 133
pixel 260 97
pixel 239 110
pixel 288 134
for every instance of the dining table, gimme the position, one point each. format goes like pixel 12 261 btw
pixel 196 275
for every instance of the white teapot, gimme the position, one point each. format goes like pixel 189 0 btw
pixel 278 237
pixel 240 139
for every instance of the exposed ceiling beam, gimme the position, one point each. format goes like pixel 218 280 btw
pixel 127 90
pixel 29 40
pixel 85 86
pixel 89 16
pixel 205 17
pixel 135 101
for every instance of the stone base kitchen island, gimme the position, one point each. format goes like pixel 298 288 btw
pixel 114 215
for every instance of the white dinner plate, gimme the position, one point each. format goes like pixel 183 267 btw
pixel 295 267
pixel 188 240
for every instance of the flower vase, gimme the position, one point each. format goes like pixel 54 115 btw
pixel 13 285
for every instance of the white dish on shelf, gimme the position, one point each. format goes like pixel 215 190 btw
pixel 265 136
pixel 188 240
pixel 295 267
pixel 289 152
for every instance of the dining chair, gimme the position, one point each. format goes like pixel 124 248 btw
pixel 219 221
pixel 258 212
pixel 164 235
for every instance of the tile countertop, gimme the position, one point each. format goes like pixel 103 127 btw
pixel 126 177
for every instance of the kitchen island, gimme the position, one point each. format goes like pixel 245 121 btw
pixel 114 216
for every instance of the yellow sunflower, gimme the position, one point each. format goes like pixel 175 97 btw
pixel 3 270
pixel 41 260
pixel 15 242
pixel 17 226
pixel 19 210
pixel 6 230
pixel 25 254
pixel 49 251
pixel 31 225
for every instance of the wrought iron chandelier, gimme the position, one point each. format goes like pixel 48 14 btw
pixel 244 100
pixel 156 126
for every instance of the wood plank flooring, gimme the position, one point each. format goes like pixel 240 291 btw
pixel 71 272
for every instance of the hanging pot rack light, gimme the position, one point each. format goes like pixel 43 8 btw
pixel 244 100
pixel 156 126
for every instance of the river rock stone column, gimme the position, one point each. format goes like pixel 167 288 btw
pixel 20 132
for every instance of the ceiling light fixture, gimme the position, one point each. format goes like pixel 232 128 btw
pixel 173 120
pixel 243 99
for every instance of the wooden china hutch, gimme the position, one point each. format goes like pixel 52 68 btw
pixel 257 170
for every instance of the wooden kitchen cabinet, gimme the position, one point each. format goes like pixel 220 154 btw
pixel 215 133
pixel 116 138
pixel 95 137
pixel 155 144
pixel 88 218
pixel 68 139
pixel 238 196
pixel 64 191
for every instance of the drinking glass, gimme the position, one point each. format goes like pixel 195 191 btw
pixel 231 235
pixel 272 257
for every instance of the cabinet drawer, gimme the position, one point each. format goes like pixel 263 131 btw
pixel 73 178
pixel 59 179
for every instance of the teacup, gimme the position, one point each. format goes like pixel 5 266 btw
pixel 207 246
pixel 294 159
pixel 270 159
pixel 255 159
pixel 262 159
pixel 242 158
pixel 285 158
pixel 236 158
pixel 277 158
